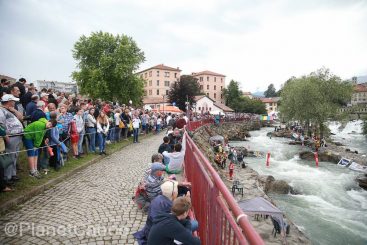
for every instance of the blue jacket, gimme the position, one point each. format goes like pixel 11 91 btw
pixel 159 205
pixel 30 108
pixel 54 136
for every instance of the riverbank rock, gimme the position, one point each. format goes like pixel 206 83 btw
pixel 324 156
pixel 283 133
pixel 271 185
pixel 362 181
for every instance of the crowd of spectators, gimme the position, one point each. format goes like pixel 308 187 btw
pixel 49 124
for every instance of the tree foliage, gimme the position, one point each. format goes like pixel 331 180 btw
pixel 184 90
pixel 235 100
pixel 232 93
pixel 314 98
pixel 107 64
pixel 270 92
pixel 247 105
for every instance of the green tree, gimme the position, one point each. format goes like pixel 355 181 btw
pixel 184 90
pixel 314 98
pixel 270 92
pixel 232 93
pixel 107 64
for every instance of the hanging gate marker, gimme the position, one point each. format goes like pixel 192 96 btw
pixel 317 159
pixel 268 159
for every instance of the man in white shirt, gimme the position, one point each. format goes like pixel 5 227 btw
pixel 136 124
pixel 176 158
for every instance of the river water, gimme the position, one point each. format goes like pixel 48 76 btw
pixel 332 208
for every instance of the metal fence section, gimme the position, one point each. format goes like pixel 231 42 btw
pixel 221 221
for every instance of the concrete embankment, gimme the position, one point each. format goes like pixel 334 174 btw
pixel 254 184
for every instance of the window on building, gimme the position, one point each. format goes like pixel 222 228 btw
pixel 207 79
pixel 175 75
pixel 199 108
pixel 221 88
pixel 201 87
pixel 201 79
pixel 150 83
pixel 141 75
pixel 167 92
pixel 157 73
pixel 157 91
pixel 145 83
pixel 221 96
pixel 215 87
pixel 150 92
pixel 157 82
pixel 215 95
pixel 150 73
pixel 210 108
pixel 221 79
pixel 207 94
pixel 166 83
pixel 166 74
pixel 145 93
pixel 146 75
pixel 207 86
pixel 215 79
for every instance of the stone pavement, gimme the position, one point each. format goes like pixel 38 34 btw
pixel 93 206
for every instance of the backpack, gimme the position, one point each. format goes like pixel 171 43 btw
pixel 141 198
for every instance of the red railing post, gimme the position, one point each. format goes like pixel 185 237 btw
pixel 221 220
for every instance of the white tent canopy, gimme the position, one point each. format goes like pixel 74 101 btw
pixel 259 205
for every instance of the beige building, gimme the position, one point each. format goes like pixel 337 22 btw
pixel 271 104
pixel 158 81
pixel 359 96
pixel 248 95
pixel 212 84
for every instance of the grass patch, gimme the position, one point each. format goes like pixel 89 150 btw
pixel 27 183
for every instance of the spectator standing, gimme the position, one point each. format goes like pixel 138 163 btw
pixel 32 105
pixel 4 87
pixel 21 85
pixel 9 117
pixel 38 113
pixel 159 123
pixel 80 126
pixel 117 117
pixel 55 143
pixel 14 90
pixel 64 119
pixel 27 98
pixel 91 129
pixel 136 124
pixel 102 131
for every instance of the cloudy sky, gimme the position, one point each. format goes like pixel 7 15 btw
pixel 254 42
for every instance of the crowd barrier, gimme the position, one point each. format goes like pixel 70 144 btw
pixel 221 219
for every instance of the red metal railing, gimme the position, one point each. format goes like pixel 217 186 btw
pixel 214 206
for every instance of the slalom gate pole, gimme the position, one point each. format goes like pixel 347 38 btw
pixel 317 159
pixel 268 159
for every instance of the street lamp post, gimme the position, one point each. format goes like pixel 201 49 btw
pixel 163 103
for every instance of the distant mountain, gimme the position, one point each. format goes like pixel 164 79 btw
pixel 362 79
pixel 258 94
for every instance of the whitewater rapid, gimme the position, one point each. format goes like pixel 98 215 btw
pixel 332 208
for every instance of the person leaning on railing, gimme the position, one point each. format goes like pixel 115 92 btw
pixel 33 137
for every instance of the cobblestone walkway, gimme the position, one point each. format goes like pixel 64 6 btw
pixel 92 207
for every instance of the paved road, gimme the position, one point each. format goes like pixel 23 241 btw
pixel 92 207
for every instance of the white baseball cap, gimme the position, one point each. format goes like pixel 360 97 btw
pixel 9 97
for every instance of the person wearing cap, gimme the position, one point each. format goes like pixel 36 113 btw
pixel 154 180
pixel 14 128
pixel 168 227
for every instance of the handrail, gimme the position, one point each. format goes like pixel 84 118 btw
pixel 198 169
